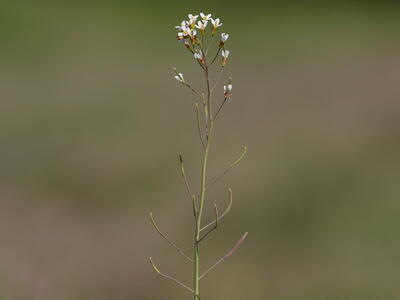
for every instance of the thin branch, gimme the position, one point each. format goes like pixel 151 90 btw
pixel 168 240
pixel 201 65
pixel 220 107
pixel 184 176
pixel 233 250
pixel 192 89
pixel 199 125
pixel 215 223
pixel 169 277
pixel 228 169
pixel 216 55
pixel 224 213
pixel 184 82
pixel 205 115
pixel 195 212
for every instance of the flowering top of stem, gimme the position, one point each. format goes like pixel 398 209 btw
pixel 187 28
pixel 199 47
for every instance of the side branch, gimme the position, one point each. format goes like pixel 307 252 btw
pixel 215 57
pixel 223 214
pixel 184 82
pixel 228 169
pixel 220 107
pixel 233 250
pixel 215 223
pixel 195 209
pixel 169 277
pixel 184 176
pixel 168 240
pixel 192 89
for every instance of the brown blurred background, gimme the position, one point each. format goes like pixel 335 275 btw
pixel 91 122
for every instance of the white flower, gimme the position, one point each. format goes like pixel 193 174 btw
pixel 202 25
pixel 216 23
pixel 205 17
pixel 225 53
pixel 192 19
pixel 183 24
pixel 224 37
pixel 180 78
pixel 227 90
pixel 185 31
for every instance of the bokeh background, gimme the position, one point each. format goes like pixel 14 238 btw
pixel 91 122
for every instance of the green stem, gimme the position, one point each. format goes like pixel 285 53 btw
pixel 196 270
pixel 202 190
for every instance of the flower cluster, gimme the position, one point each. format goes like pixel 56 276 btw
pixel 188 28
pixel 192 32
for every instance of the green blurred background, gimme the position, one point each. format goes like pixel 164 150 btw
pixel 91 122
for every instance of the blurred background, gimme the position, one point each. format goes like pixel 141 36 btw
pixel 91 122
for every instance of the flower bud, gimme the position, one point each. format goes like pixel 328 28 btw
pixel 224 38
pixel 225 55
pixel 227 90
pixel 187 45
pixel 179 77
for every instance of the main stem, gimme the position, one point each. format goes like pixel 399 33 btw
pixel 202 190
